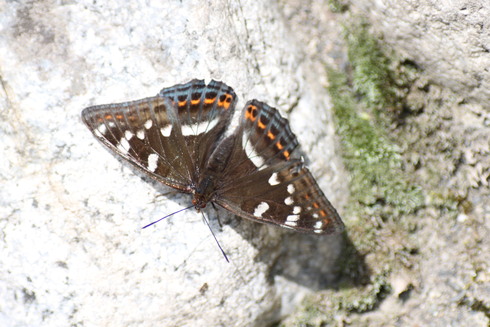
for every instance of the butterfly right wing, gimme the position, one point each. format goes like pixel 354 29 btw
pixel 162 135
pixel 265 180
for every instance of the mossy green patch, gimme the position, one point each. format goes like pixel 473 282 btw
pixel 372 76
pixel 373 161
pixel 323 309
pixel 338 6
pixel 382 196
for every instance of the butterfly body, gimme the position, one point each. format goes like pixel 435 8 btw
pixel 179 139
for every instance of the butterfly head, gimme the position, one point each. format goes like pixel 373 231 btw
pixel 204 192
pixel 200 201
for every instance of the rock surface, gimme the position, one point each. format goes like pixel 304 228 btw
pixel 72 250
pixel 71 245
pixel 446 137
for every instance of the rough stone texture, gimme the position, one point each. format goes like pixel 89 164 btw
pixel 71 247
pixel 446 138
pixel 444 134
pixel 451 142
pixel 450 40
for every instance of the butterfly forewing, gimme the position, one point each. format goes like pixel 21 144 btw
pixel 166 136
pixel 204 112
pixel 131 130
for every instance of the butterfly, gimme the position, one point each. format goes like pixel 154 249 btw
pixel 179 138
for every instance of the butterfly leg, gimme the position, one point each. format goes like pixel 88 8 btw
pixel 171 192
pixel 217 215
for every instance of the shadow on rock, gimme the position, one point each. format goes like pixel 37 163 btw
pixel 314 261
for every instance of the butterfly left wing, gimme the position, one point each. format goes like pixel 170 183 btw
pixel 168 136
pixel 203 114
pixel 267 181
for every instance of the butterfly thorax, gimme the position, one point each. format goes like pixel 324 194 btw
pixel 203 193
pixel 217 163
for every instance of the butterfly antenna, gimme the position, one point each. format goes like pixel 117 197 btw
pixel 212 233
pixel 173 213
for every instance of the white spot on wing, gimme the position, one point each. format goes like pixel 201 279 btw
pixel 292 218
pixel 101 130
pixel 128 135
pixel 274 180
pixel 123 146
pixel 152 162
pixel 212 124
pixel 257 160
pixel 289 200
pixel 291 223
pixel 188 130
pixel 148 124
pixel 296 210
pixel 260 209
pixel 166 130
pixel 199 128
pixel 140 134
pixel 291 189
pixel 318 225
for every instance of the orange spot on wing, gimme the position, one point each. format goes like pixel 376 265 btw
pixel 251 113
pixel 316 205
pixel 286 154
pixel 279 145
pixel 108 116
pixel 323 213
pixel 194 102
pixel 209 101
pixel 119 116
pixel 260 124
pixel 182 103
pixel 225 102
pixel 270 135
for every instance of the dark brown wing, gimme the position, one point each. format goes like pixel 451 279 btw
pixel 169 136
pixel 266 182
